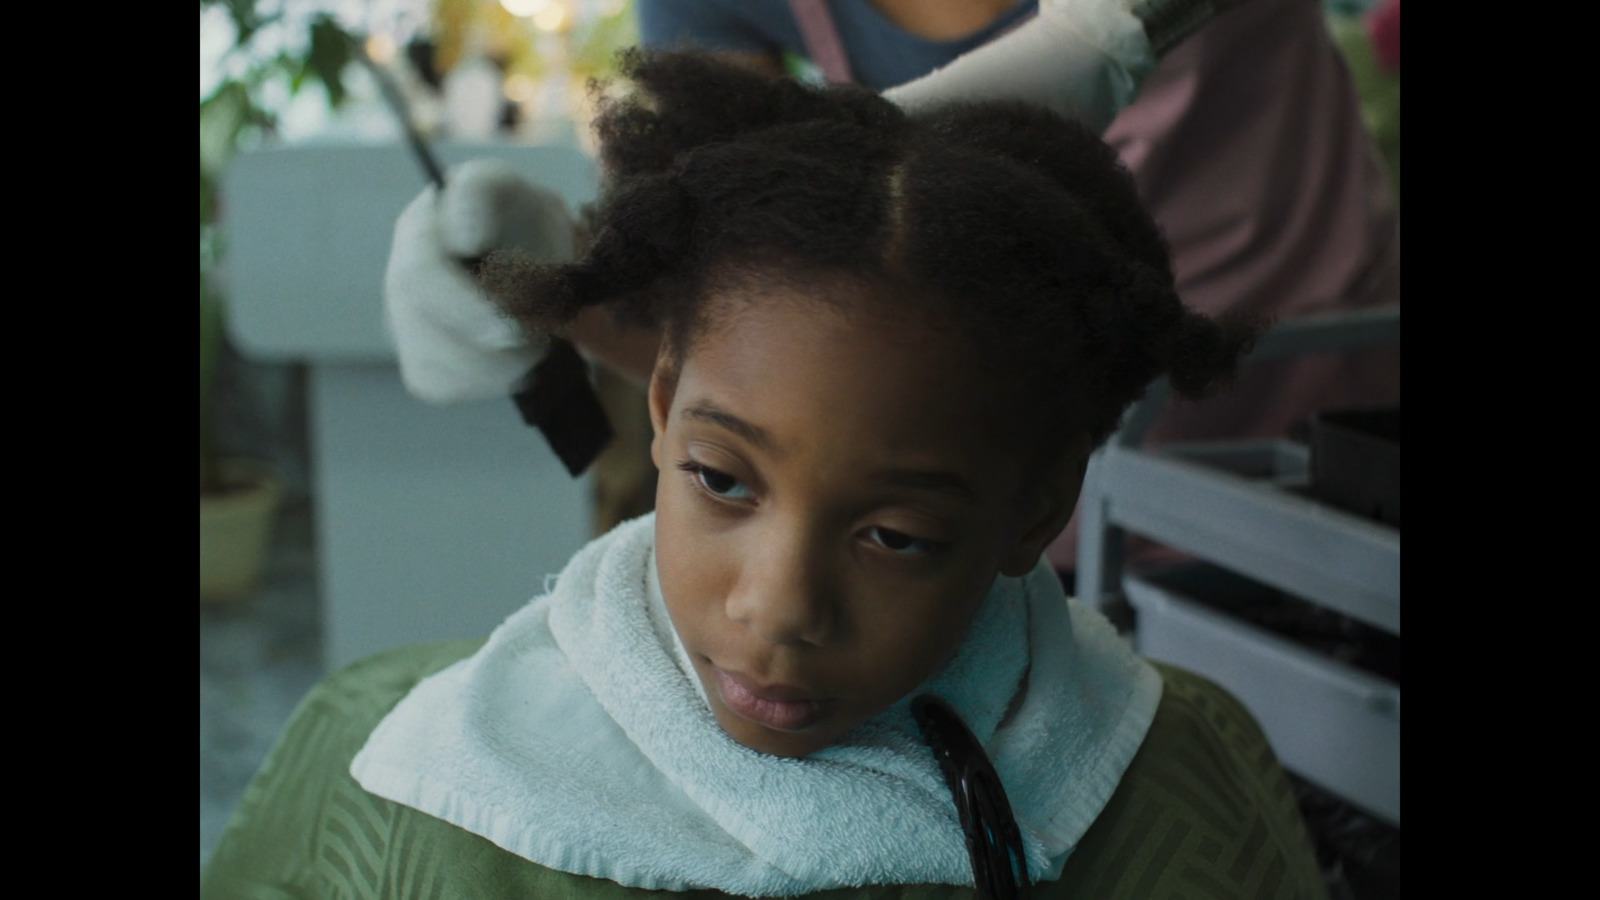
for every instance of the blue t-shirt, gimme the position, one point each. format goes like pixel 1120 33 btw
pixel 882 54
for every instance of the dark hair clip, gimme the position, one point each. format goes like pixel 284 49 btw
pixel 557 398
pixel 994 842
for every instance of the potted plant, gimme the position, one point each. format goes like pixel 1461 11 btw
pixel 238 498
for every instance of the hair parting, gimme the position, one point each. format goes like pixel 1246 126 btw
pixel 1015 225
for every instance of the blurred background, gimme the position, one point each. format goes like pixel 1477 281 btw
pixel 340 516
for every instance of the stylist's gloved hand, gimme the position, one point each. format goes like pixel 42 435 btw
pixel 1085 59
pixel 452 341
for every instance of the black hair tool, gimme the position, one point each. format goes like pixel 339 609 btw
pixel 555 396
pixel 994 842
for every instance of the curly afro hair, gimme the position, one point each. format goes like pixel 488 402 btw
pixel 1015 225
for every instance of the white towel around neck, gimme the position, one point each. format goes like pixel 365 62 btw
pixel 575 738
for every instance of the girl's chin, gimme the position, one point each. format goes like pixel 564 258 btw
pixel 771 741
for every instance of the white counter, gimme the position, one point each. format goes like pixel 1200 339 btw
pixel 432 522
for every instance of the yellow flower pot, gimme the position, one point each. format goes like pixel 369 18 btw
pixel 235 530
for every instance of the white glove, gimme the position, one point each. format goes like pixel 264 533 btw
pixel 1084 59
pixel 454 344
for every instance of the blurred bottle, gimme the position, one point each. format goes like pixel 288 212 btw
pixel 474 97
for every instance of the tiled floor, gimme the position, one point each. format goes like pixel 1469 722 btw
pixel 259 655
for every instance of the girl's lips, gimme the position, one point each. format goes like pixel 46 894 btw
pixel 780 708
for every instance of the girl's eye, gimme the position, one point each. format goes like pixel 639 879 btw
pixel 901 543
pixel 721 484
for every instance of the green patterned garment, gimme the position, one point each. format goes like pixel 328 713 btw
pixel 1203 812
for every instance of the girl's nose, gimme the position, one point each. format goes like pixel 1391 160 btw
pixel 782 597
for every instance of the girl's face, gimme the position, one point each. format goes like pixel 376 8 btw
pixel 835 500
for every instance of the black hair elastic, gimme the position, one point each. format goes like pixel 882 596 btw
pixel 994 842
pixel 557 398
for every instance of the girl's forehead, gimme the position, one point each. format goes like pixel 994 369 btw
pixel 860 384
pixel 830 304
pixel 844 328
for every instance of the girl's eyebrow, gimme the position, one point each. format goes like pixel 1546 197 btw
pixel 706 411
pixel 943 482
pixel 921 480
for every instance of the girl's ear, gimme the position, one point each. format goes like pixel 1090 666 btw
pixel 663 386
pixel 1047 512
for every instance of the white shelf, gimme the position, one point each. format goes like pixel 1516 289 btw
pixel 1334 724
pixel 1243 506
pixel 1193 498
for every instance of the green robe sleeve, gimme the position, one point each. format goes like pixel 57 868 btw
pixel 1203 812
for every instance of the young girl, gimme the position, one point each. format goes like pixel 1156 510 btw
pixel 890 343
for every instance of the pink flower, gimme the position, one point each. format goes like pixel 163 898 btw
pixel 1383 28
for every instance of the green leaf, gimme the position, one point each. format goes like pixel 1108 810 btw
pixel 222 116
pixel 246 20
pixel 295 68
pixel 210 347
pixel 330 53
pixel 208 197
pixel 225 117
